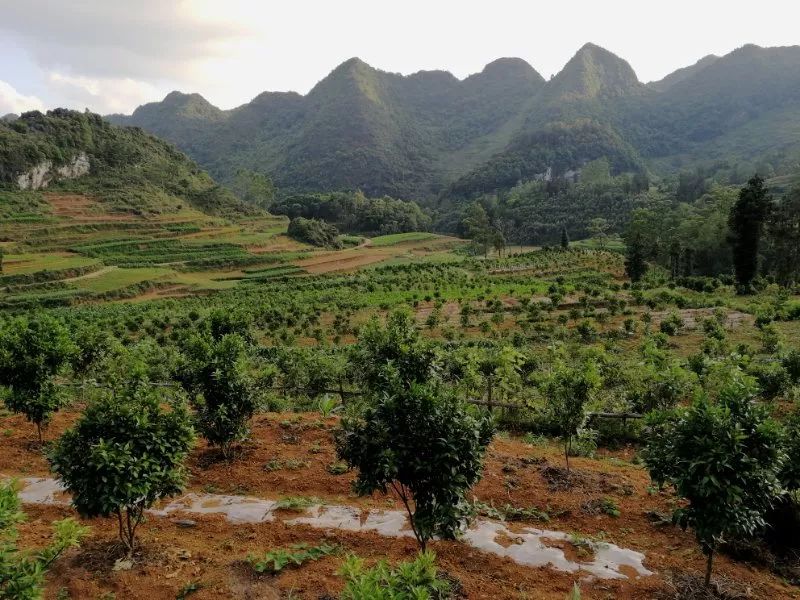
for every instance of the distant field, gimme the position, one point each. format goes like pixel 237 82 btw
pixel 399 238
pixel 20 264
pixel 117 278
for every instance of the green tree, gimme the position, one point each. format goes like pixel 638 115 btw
pixel 724 458
pixel 478 227
pixel 123 454
pixel 216 375
pixel 564 238
pixel 598 229
pixel 392 356
pixel 635 263
pixel 254 188
pixel 32 352
pixel 22 574
pixel 784 237
pixel 568 391
pixel 746 224
pixel 424 444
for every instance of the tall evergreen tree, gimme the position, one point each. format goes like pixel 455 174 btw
pixel 746 223
pixel 635 263
pixel 564 238
pixel 784 234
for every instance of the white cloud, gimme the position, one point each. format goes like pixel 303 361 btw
pixel 11 101
pixel 231 50
pixel 102 95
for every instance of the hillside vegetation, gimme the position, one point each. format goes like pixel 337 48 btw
pixel 129 170
pixel 430 135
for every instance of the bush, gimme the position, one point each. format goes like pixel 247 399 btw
pixel 32 352
pixel 414 580
pixel 671 324
pixel 223 393
pixel 22 574
pixel 123 454
pixel 314 232
pixel 423 444
pixel 724 458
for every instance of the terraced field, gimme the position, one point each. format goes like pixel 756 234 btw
pixel 71 248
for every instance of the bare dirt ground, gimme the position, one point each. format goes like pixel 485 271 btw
pixel 290 456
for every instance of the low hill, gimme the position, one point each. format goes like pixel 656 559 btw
pixel 125 168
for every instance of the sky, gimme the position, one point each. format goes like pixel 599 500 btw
pixel 113 55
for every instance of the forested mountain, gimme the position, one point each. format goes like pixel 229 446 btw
pixel 430 135
pixel 129 169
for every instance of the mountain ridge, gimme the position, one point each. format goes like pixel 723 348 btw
pixel 416 136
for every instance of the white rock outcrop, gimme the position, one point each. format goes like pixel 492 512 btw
pixel 44 173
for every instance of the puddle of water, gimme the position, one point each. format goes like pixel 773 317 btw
pixel 389 523
pixel 530 549
pixel 237 509
pixel 527 547
pixel 37 490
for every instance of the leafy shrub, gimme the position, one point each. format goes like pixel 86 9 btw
pixel 314 232
pixel 724 458
pixel 216 374
pixel 414 580
pixel 22 574
pixel 426 446
pixel 275 561
pixel 123 454
pixel 671 324
pixel 32 352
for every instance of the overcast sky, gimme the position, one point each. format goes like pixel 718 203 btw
pixel 112 55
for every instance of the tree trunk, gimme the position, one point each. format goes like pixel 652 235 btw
pixel 709 566
pixel 567 447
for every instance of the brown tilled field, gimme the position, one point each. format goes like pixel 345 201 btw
pixel 290 455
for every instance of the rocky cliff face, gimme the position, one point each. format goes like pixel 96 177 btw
pixel 44 173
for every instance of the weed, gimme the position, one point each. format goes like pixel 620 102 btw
pixel 275 561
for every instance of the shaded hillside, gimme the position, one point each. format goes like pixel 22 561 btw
pixel 126 167
pixel 357 128
pixel 430 134
pixel 667 82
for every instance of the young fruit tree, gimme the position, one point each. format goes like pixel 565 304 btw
pixel 568 391
pixel 32 352
pixel 426 446
pixel 123 454
pixel 215 373
pixel 394 355
pixel 724 458
pixel 22 574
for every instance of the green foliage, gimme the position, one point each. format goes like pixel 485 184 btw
pixel 129 169
pixel 724 458
pixel 355 213
pixel 393 356
pixel 32 352
pixel 217 374
pixel 275 561
pixel 424 444
pixel 314 232
pixel 568 390
pixel 635 263
pixel 747 220
pixel 22 574
pixel 412 580
pixel 124 453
